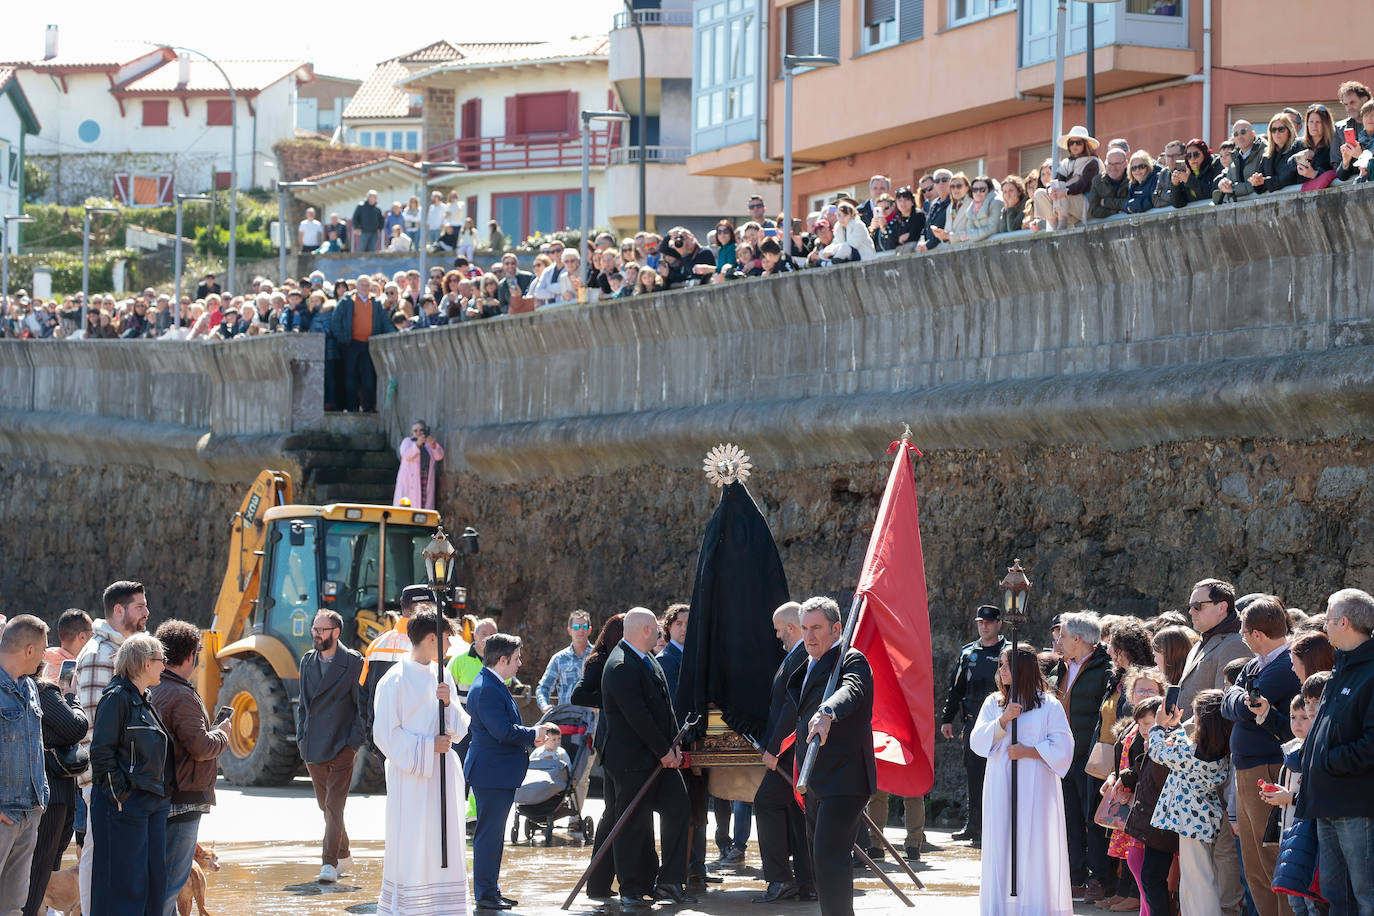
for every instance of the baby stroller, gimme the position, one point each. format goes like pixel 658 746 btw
pixel 550 790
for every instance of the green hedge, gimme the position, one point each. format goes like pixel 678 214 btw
pixel 58 227
pixel 66 270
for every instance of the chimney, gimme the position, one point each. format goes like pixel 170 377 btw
pixel 183 71
pixel 50 42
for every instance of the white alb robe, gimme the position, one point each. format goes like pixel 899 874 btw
pixel 406 721
pixel 1042 866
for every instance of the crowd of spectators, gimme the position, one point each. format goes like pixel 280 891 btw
pixel 1215 758
pixel 1297 152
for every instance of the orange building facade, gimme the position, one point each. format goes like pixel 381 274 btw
pixel 969 84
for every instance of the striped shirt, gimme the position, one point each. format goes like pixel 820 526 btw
pixel 94 669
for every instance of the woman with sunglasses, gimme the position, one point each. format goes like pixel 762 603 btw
pixel 724 239
pixel 958 200
pixel 1278 169
pixel 1064 202
pixel 1144 175
pixel 1198 177
pixel 1316 155
pixel 980 217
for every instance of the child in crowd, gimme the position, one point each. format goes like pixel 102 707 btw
pixel 550 749
pixel 1189 804
pixel 1141 687
pixel 1293 861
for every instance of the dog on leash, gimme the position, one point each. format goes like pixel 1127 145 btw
pixel 64 889
pixel 194 889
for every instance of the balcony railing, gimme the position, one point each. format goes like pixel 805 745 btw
pixel 536 151
pixel 653 17
pixel 665 155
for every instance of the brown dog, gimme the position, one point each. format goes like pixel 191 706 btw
pixel 194 888
pixel 64 892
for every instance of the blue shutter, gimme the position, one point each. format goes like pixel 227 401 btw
pixel 801 28
pixel 911 23
pixel 828 28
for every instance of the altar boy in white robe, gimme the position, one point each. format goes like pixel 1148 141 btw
pixel 406 729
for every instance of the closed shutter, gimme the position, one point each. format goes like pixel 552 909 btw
pixel 574 121
pixel 828 28
pixel 1259 114
pixel 472 209
pixel 512 118
pixel 876 11
pixel 911 24
pixel 165 182
pixel 155 113
pixel 801 28
pixel 219 113
pixel 122 191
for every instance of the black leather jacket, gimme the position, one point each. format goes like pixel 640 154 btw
pixel 130 750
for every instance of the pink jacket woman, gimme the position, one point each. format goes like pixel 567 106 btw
pixel 415 479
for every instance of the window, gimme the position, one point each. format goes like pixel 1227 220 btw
pixel 412 140
pixel 219 113
pixel 1260 115
pixel 223 180
pixel 725 83
pixel 889 22
pixel 522 215
pixel 813 27
pixel 141 189
pixel 535 113
pixel 1155 7
pixel 155 113
pixel 820 201
pixel 397 139
pixel 963 11
pixel 15 167
pixel 1032 156
pixel 364 138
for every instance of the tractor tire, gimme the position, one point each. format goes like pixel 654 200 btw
pixel 262 733
pixel 369 770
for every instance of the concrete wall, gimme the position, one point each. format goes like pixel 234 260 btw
pixel 1119 334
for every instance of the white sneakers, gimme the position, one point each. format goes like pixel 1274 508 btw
pixel 328 874
pixel 345 866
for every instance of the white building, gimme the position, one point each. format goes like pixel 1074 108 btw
pixel 138 124
pixel 17 122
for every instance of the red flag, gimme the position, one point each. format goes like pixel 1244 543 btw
pixel 894 634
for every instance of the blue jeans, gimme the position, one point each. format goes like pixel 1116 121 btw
pixel 129 873
pixel 181 852
pixel 1345 854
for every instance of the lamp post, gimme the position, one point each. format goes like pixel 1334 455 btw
pixel 181 199
pixel 428 168
pixel 283 187
pixel 5 256
pixel 643 148
pixel 1089 76
pixel 233 152
pixel 1015 591
pixel 587 118
pixel 438 556
pixel 86 257
pixel 790 64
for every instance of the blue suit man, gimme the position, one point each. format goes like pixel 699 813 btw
pixel 496 762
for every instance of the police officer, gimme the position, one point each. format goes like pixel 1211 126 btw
pixel 973 679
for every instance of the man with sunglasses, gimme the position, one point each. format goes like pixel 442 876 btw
pixel 329 731
pixel 1245 162
pixel 939 208
pixel 565 668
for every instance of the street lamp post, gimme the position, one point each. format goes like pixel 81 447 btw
pixel 587 118
pixel 790 64
pixel 233 156
pixel 1015 591
pixel 176 307
pixel 643 116
pixel 5 255
pixel 86 258
pixel 428 168
pixel 283 187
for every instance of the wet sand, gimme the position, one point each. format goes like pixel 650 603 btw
pixel 268 845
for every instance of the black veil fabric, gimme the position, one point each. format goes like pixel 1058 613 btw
pixel 732 650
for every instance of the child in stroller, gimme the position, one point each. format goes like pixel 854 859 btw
pixel 556 782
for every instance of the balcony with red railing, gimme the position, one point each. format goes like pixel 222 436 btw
pixel 533 151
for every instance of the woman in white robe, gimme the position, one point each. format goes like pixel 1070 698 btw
pixel 1044 748
pixel 406 722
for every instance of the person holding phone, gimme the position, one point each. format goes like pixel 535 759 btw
pixel 420 452
pixel 196 746
pixel 74 630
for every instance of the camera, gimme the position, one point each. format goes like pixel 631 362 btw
pixel 679 243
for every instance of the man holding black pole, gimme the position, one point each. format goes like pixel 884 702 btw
pixel 975 676
pixel 640 731
pixel 845 772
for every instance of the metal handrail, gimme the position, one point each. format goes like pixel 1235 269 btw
pixel 560 150
pixel 653 17
pixel 666 155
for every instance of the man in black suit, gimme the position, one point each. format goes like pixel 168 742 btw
pixel 640 728
pixel 781 824
pixel 845 773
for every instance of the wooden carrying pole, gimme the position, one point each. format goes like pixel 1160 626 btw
pixel 856 609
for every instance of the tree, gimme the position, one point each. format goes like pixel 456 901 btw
pixel 36 181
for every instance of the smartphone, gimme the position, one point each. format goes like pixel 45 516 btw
pixel 1181 164
pixel 1171 698
pixel 1253 696
pixel 223 715
pixel 1350 136
pixel 68 671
